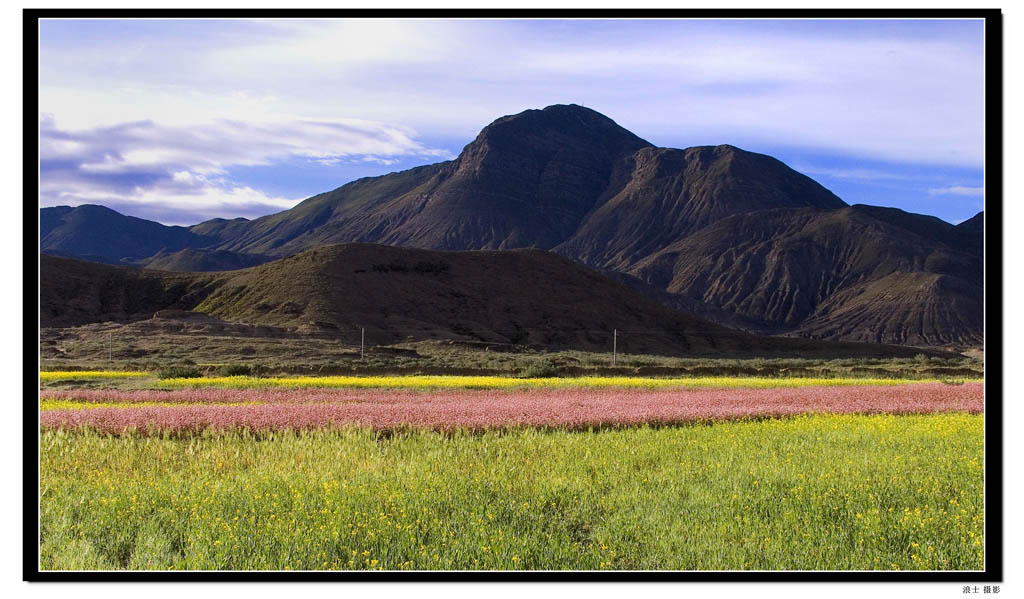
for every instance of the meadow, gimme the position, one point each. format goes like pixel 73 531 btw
pixel 815 492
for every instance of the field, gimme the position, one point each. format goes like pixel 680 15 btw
pixel 810 492
pixel 465 473
pixel 160 412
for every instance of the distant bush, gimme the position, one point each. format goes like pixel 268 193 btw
pixel 235 370
pixel 179 372
pixel 540 369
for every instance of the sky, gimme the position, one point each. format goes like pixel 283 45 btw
pixel 180 121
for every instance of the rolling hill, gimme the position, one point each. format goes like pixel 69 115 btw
pixel 190 260
pixel 523 297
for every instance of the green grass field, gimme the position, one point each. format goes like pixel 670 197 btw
pixel 815 492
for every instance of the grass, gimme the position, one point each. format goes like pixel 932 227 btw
pixel 815 492
pixel 497 382
pixel 136 347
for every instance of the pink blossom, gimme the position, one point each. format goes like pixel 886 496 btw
pixel 476 410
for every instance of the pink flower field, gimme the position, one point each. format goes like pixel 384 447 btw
pixel 263 410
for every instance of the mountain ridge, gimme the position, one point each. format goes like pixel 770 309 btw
pixel 570 180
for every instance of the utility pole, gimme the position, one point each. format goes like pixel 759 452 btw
pixel 615 344
pixel 362 344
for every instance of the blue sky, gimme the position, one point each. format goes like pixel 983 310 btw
pixel 181 121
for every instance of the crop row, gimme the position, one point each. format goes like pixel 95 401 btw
pixel 62 375
pixel 269 410
pixel 498 382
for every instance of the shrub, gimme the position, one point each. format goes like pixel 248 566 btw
pixel 541 369
pixel 235 370
pixel 180 372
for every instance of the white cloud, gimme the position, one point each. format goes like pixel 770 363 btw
pixel 213 199
pixel 185 200
pixel 887 97
pixel 958 190
pixel 853 174
pixel 334 48
pixel 186 166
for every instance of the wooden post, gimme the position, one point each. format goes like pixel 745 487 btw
pixel 362 344
pixel 615 344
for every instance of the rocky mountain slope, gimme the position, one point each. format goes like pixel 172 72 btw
pixel 827 274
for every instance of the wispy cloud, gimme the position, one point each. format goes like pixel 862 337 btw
pixel 852 174
pixel 958 190
pixel 186 166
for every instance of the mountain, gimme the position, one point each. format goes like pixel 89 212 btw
pixel 735 236
pixel 965 237
pixel 518 296
pixel 973 226
pixel 97 233
pixel 564 178
pixel 526 181
pixel 833 274
pixel 673 193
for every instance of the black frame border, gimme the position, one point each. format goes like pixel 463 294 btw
pixel 994 424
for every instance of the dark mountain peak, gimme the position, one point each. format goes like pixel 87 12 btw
pixel 240 219
pixel 98 233
pixel 96 208
pixel 975 224
pixel 559 113
pixel 963 237
pixel 572 109
pixel 560 123
pixel 738 158
pixel 922 224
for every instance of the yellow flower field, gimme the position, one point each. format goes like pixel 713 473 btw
pixel 815 492
pixel 58 375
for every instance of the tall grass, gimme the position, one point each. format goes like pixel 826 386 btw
pixel 811 492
